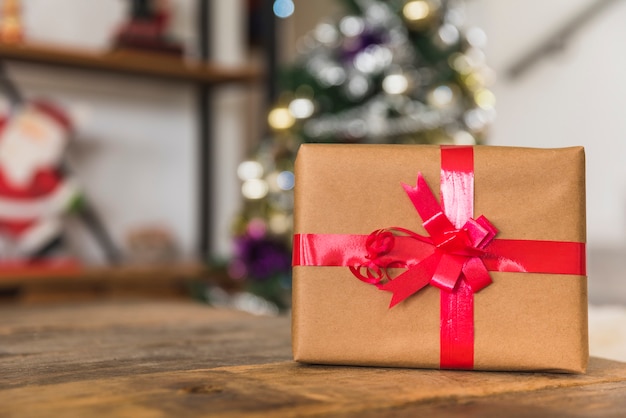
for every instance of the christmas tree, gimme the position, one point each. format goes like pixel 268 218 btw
pixel 389 71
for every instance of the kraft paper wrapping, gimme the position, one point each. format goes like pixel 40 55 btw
pixel 523 321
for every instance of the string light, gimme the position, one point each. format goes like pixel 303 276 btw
pixel 485 99
pixel 476 37
pixel 463 138
pixel 280 118
pixel 416 10
pixel 283 8
pixel 301 108
pixel 326 33
pixel 395 84
pixel 357 87
pixel 420 14
pixel 285 180
pixel 474 81
pixel 441 97
pixel 460 63
pixel 254 189
pixel 448 35
pixel 249 170
pixel 351 26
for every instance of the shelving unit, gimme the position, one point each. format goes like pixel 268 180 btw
pixel 205 76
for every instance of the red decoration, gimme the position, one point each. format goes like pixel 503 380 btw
pixel 147 29
pixel 34 192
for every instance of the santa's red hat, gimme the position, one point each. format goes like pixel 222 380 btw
pixel 53 111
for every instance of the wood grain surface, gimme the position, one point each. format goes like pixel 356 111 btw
pixel 163 359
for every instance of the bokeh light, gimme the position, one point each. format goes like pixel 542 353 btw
pixel 301 108
pixel 395 84
pixel 280 118
pixel 254 189
pixel 249 170
pixel 285 180
pixel 283 8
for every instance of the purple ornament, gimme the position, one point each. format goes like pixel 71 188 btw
pixel 353 45
pixel 263 257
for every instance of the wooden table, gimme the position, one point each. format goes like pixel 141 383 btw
pixel 174 359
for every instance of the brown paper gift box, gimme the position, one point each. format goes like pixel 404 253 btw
pixel 523 321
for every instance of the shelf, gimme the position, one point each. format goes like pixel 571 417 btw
pixel 130 62
pixel 70 276
pixel 37 285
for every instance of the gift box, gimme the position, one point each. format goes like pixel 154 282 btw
pixel 440 257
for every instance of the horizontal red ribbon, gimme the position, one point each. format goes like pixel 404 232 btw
pixel 507 255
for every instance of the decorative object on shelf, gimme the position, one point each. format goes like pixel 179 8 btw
pixel 46 132
pixel 35 192
pixel 11 26
pixel 151 245
pixel 402 71
pixel 147 28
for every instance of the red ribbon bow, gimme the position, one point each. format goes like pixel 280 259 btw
pixel 456 252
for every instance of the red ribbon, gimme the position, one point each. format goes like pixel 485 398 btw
pixel 456 257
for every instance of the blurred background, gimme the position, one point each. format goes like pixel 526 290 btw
pixel 157 137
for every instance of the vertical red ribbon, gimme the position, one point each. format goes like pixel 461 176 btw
pixel 457 306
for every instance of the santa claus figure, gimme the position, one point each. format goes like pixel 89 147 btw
pixel 34 193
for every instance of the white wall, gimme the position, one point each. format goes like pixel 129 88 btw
pixel 577 97
pixel 136 146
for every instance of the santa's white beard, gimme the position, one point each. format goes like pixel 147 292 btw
pixel 22 155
